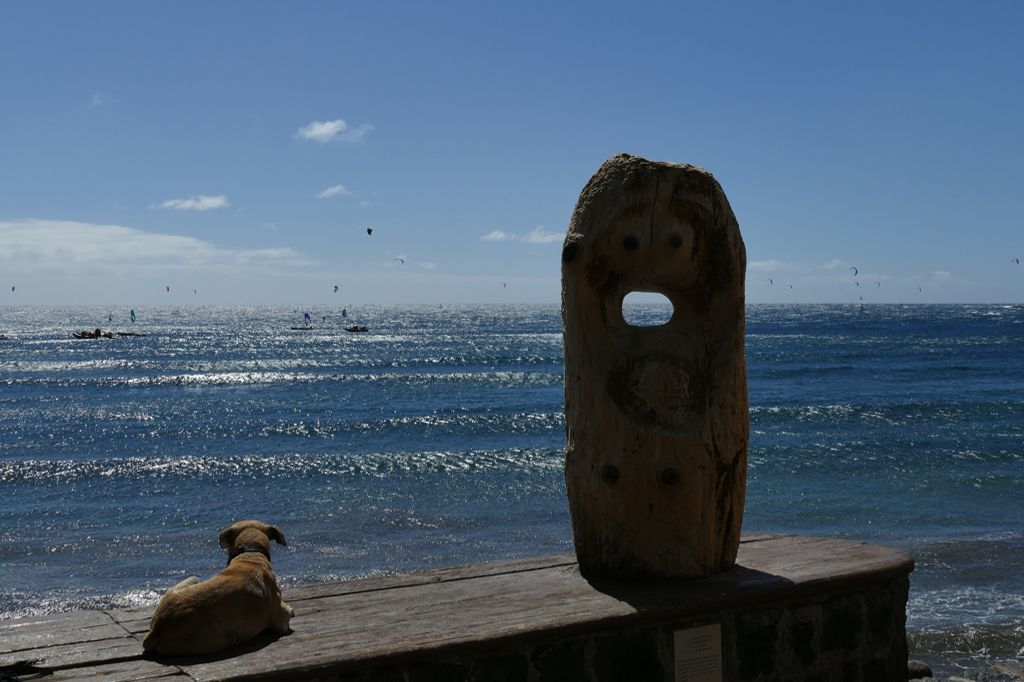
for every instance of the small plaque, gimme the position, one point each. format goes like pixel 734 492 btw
pixel 699 654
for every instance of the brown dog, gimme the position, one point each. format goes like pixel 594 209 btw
pixel 237 604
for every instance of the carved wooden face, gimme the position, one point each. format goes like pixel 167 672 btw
pixel 667 229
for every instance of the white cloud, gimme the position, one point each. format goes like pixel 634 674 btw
pixel 428 266
pixel 334 191
pixel 199 203
pixel 80 248
pixel 270 226
pixel 764 265
pixel 542 236
pixel 942 275
pixel 833 264
pixel 328 131
pixel 538 236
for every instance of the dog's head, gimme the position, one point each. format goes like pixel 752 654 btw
pixel 250 536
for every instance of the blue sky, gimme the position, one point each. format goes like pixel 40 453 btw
pixel 237 152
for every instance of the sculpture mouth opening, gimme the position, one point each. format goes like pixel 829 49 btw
pixel 646 309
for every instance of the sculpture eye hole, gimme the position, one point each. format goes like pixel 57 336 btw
pixel 646 309
pixel 675 240
pixel 630 243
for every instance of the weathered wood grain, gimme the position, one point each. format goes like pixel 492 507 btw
pixel 62 632
pixel 75 619
pixel 656 417
pixel 122 671
pixel 80 654
pixel 316 590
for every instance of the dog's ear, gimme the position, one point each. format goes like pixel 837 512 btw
pixel 274 534
pixel 227 537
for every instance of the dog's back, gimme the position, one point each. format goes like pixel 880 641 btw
pixel 235 605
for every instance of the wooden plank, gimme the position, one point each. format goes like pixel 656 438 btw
pixel 79 654
pixel 318 590
pixel 808 561
pixel 759 537
pixel 30 641
pixel 69 620
pixel 123 671
pixel 135 621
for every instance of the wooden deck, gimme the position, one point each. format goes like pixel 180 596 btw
pixel 398 620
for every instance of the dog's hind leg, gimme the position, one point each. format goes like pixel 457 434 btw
pixel 209 638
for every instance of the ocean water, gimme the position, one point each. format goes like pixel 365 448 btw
pixel 437 439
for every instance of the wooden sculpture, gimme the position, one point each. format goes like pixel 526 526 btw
pixel 656 417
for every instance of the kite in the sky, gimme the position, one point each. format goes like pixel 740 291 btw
pixel 1014 260
pixel 194 291
pixel 335 288
pixel 369 231
pixel 770 282
pixel 854 270
pixel 168 288
pixel 403 262
pixel 502 285
pixel 919 288
pixel 878 285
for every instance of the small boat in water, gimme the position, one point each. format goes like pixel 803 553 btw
pixel 356 328
pixel 92 335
